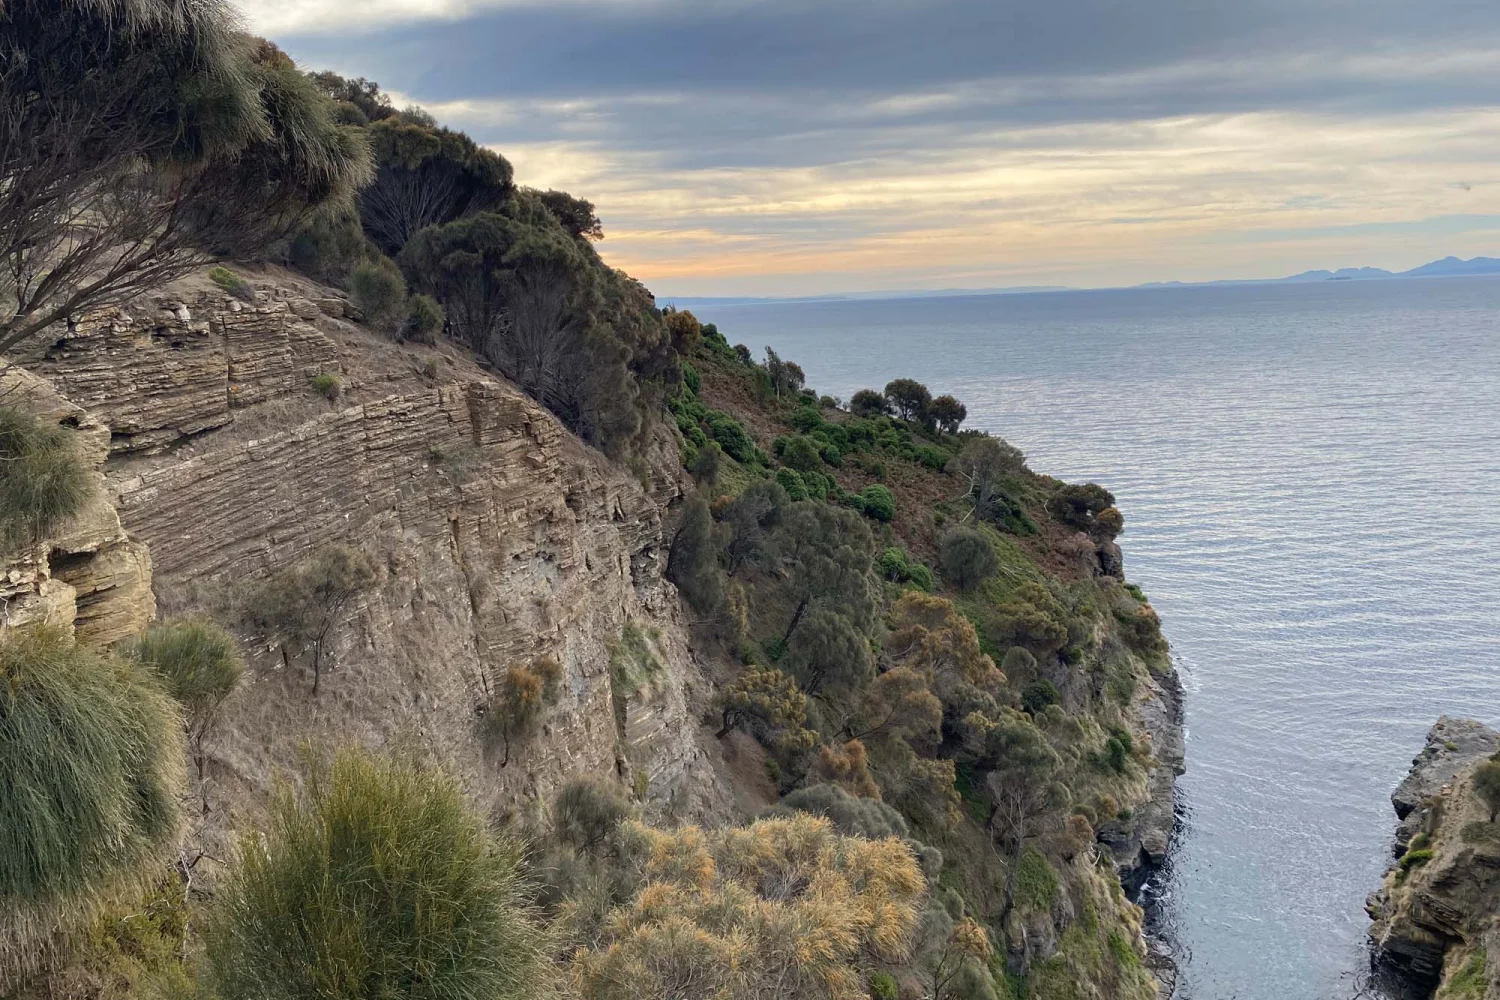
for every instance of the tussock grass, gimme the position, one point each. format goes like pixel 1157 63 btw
pixel 378 880
pixel 90 773
pixel 43 479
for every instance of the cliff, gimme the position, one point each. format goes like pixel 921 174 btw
pixel 1437 916
pixel 500 538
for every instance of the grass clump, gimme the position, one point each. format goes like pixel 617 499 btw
pixel 379 880
pixel 90 773
pixel 232 283
pixel 328 386
pixel 43 479
pixel 1470 981
pixel 199 664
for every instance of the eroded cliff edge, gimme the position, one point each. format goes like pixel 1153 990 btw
pixel 501 538
pixel 1437 917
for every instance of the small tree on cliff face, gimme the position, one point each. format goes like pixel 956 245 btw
pixel 982 467
pixel 869 403
pixel 522 696
pixel 140 136
pixel 305 604
pixel 1487 786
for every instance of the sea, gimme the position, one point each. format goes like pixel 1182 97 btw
pixel 1310 477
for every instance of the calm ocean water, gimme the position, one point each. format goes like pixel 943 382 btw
pixel 1310 476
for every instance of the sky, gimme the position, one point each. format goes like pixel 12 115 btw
pixel 802 147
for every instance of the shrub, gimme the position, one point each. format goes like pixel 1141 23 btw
pixel 327 247
pixel 1415 859
pixel 378 880
pixel 693 560
pixel 895 565
pixel 90 773
pixel 1038 695
pixel 968 558
pixel 522 696
pixel 850 814
pixel 327 385
pixel 199 664
pixel 424 320
pixel 948 413
pixel 731 913
pixel 43 480
pixel 877 503
pixel 883 986
pixel 802 453
pixel 791 481
pixel 232 283
pixel 731 436
pixel 1036 882
pixel 377 289
pixel 587 811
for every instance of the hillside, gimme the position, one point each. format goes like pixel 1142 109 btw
pixel 398 602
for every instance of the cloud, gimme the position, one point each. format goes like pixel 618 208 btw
pixel 761 145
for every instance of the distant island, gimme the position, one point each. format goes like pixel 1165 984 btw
pixel 1448 267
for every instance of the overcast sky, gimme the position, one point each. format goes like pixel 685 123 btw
pixel 806 146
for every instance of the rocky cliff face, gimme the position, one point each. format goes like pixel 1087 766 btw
pixel 500 538
pixel 1437 917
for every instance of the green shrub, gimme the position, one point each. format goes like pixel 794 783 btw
pixel 1487 786
pixel 1036 882
pixel 895 565
pixel 90 774
pixel 883 986
pixel 968 558
pixel 731 436
pixel 691 378
pixel 377 289
pixel 1415 859
pixel 198 663
pixel 327 247
pixel 43 479
pixel 791 481
pixel 379 880
pixel 328 386
pixel 232 283
pixel 424 320
pixel 1038 695
pixel 802 453
pixel 877 503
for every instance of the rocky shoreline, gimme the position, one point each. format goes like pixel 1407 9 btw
pixel 1436 918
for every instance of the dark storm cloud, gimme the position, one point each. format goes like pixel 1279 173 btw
pixel 733 75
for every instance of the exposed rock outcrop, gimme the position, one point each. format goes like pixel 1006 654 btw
pixel 500 536
pixel 1437 917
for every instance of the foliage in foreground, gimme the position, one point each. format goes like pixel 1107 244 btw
pixel 784 907
pixel 378 880
pixel 90 773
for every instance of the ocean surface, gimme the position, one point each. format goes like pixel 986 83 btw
pixel 1310 476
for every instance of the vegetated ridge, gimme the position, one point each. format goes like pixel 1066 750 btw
pixel 396 599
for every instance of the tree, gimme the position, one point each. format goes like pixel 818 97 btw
pixel 706 465
pixel 90 778
pixel 769 704
pixel 43 480
pixel 948 413
pixel 827 554
pixel 378 879
pixel 786 377
pixel 693 561
pixel 982 467
pixel 929 635
pixel 909 398
pixel 899 705
pixel 576 215
pixel 729 914
pixel 1021 768
pixel 427 176
pixel 199 664
pixel 750 521
pixel 1487 786
pixel 140 137
pixel 968 558
pixel 359 101
pixel 588 811
pixel 869 403
pixel 303 605
pixel 830 656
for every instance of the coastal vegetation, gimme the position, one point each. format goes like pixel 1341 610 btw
pixel 927 650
